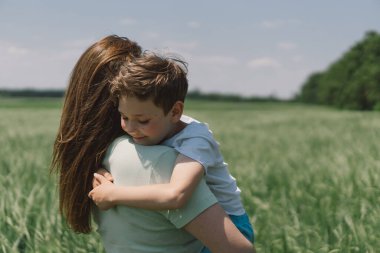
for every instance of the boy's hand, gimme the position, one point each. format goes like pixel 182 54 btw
pixel 102 194
pixel 105 173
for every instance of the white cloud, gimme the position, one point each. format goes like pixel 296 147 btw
pixel 128 21
pixel 17 51
pixel 180 46
pixel 151 35
pixel 278 23
pixel 217 60
pixel 271 24
pixel 69 55
pixel 193 24
pixel 72 49
pixel 40 67
pixel 9 50
pixel 286 45
pixel 78 43
pixel 264 62
pixel 297 58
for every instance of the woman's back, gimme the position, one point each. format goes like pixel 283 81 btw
pixel 125 229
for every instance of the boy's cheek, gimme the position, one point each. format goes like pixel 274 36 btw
pixel 122 123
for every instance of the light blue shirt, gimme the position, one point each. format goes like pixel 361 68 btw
pixel 197 142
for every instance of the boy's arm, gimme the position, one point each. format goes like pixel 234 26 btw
pixel 185 177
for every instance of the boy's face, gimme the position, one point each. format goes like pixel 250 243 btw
pixel 145 122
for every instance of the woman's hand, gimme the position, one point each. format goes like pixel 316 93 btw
pixel 105 173
pixel 103 193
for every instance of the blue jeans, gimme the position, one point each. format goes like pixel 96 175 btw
pixel 244 226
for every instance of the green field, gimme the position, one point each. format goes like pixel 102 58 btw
pixel 309 175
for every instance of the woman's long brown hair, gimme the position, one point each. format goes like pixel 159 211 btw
pixel 89 123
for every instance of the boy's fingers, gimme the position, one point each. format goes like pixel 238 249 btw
pixel 100 178
pixel 108 176
pixel 95 183
pixel 105 173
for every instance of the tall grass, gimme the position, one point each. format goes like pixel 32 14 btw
pixel 29 220
pixel 309 176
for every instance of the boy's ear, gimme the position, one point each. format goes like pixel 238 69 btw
pixel 177 111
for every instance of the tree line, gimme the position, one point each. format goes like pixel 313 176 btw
pixel 31 93
pixel 195 95
pixel 352 82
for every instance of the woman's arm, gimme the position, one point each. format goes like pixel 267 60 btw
pixel 217 232
pixel 175 194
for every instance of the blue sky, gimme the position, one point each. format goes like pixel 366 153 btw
pixel 253 48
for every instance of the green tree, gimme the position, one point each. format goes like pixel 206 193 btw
pixel 352 82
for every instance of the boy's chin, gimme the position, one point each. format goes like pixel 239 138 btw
pixel 144 141
pixel 140 141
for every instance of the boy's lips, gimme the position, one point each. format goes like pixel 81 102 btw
pixel 138 138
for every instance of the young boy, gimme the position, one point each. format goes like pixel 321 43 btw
pixel 151 92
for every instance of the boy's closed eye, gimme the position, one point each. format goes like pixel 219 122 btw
pixel 145 121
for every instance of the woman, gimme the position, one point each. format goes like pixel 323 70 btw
pixel 90 122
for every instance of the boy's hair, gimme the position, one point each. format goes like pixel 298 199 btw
pixel 152 76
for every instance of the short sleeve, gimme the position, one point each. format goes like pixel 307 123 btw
pixel 201 199
pixel 201 149
pixel 197 142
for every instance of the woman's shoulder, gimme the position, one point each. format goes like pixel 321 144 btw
pixel 148 164
pixel 125 144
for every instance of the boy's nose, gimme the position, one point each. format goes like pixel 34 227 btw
pixel 130 126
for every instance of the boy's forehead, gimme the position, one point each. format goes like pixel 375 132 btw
pixel 136 107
